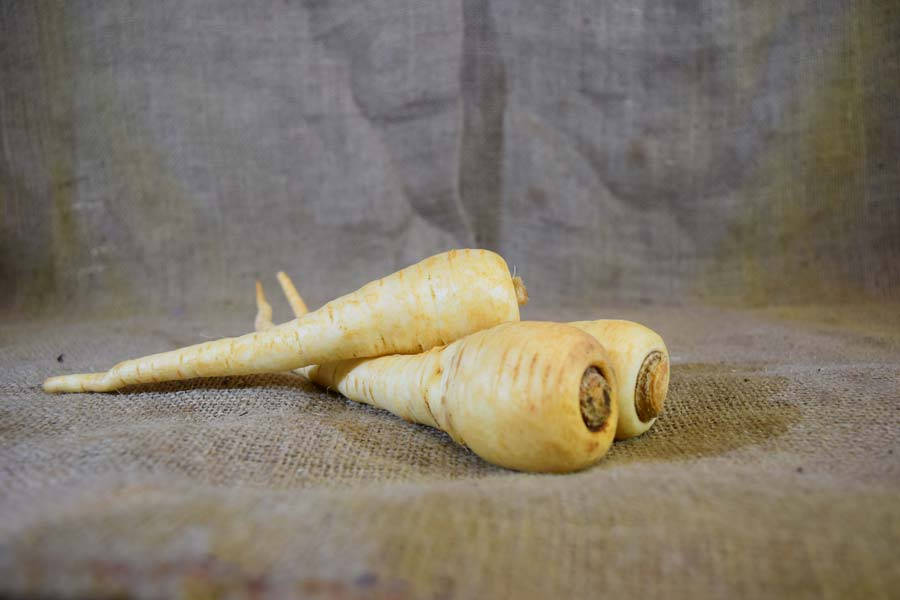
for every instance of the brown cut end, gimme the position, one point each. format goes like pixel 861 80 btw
pixel 595 399
pixel 521 292
pixel 651 386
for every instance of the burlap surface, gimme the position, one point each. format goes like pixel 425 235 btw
pixel 773 472
pixel 666 157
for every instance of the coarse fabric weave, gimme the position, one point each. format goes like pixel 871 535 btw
pixel 773 472
pixel 162 155
pixel 723 171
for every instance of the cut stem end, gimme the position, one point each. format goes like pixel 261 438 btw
pixel 595 399
pixel 651 386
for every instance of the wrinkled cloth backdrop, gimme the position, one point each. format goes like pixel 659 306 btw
pixel 726 172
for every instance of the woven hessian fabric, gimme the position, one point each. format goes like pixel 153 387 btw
pixel 724 172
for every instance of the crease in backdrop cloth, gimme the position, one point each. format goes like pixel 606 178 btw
pixel 724 172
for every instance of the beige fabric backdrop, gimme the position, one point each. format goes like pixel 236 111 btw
pixel 159 156
pixel 725 172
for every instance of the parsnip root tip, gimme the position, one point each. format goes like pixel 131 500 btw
pixel 521 291
pixel 79 382
pixel 651 386
pixel 293 296
pixel 52 385
pixel 263 310
pixel 595 399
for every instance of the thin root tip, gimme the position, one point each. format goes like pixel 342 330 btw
pixel 260 295
pixel 59 384
pixel 79 382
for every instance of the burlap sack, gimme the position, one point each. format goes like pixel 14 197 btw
pixel 687 165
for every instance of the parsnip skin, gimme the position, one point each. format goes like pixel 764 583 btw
pixel 510 393
pixel 431 303
pixel 641 362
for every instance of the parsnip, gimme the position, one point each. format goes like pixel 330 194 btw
pixel 636 353
pixel 531 396
pixel 431 303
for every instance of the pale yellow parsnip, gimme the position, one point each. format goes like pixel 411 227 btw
pixel 431 303
pixel 512 394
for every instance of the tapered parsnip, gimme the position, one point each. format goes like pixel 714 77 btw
pixel 637 354
pixel 531 396
pixel 641 361
pixel 431 303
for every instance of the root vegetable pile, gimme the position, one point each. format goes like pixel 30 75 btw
pixel 440 343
